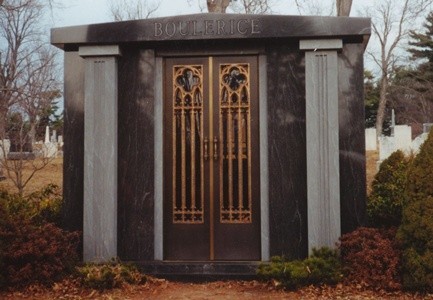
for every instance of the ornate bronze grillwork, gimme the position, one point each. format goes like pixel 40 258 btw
pixel 188 165
pixel 235 149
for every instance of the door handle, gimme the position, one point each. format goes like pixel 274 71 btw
pixel 206 148
pixel 215 148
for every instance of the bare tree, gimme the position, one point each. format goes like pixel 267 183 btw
pixel 122 10
pixel 21 168
pixel 25 69
pixel 343 7
pixel 252 6
pixel 316 7
pixel 40 88
pixel 392 21
pixel 20 38
pixel 217 6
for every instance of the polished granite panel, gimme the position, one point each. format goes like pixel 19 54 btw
pixel 136 154
pixel 287 151
pixel 352 137
pixel 73 159
pixel 211 26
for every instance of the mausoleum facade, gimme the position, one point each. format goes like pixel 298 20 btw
pixel 205 144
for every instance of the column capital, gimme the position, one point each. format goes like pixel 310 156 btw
pixel 321 44
pixel 105 50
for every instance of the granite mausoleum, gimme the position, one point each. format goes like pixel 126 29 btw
pixel 205 144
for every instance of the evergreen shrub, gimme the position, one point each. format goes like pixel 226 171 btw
pixel 4 220
pixel 322 267
pixel 416 230
pixel 385 202
pixel 371 256
pixel 109 275
pixel 48 203
pixel 42 206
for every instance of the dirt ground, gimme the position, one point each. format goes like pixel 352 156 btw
pixel 164 289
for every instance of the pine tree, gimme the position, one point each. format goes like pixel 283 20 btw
pixel 422 42
pixel 371 98
pixel 422 49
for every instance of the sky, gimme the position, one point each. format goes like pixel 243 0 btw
pixel 79 12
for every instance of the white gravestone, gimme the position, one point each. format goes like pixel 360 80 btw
pixel 370 139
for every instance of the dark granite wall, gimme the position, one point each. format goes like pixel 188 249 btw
pixel 287 156
pixel 287 148
pixel 136 154
pixel 352 137
pixel 286 116
pixel 73 149
pixel 287 151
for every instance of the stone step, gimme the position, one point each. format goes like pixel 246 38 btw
pixel 214 269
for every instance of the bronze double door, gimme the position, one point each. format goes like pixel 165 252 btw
pixel 211 159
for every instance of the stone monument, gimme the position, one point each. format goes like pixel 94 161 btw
pixel 205 144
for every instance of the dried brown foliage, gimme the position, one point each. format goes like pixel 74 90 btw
pixel 371 257
pixel 36 253
pixel 70 288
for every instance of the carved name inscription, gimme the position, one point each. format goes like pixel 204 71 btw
pixel 207 28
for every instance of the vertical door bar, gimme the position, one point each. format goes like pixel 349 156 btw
pixel 211 165
pixel 240 158
pixel 193 156
pixel 175 113
pixel 230 157
pixel 183 164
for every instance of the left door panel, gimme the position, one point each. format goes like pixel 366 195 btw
pixel 186 227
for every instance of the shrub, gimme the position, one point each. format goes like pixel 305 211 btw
pixel 39 207
pixel 37 253
pixel 109 275
pixel 4 220
pixel 416 230
pixel 385 203
pixel 322 267
pixel 48 203
pixel 31 248
pixel 371 256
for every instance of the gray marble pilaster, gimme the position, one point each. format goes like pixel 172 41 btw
pixel 264 165
pixel 323 178
pixel 100 153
